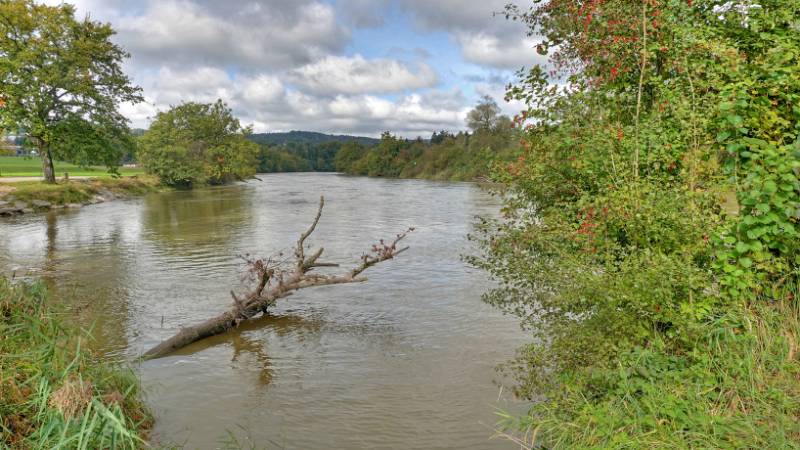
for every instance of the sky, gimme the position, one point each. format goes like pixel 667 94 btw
pixel 336 66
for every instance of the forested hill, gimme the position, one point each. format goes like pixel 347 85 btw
pixel 308 137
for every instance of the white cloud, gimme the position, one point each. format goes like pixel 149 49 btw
pixel 356 75
pixel 480 29
pixel 489 50
pixel 269 105
pixel 249 35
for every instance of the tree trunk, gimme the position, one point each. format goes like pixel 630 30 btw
pixel 48 170
pixel 186 336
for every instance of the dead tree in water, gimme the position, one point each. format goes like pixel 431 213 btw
pixel 274 280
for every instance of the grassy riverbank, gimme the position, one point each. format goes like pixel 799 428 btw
pixel 22 166
pixel 39 195
pixel 53 394
pixel 736 388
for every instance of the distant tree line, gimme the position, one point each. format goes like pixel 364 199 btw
pixel 446 156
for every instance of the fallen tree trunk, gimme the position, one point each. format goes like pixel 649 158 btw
pixel 275 281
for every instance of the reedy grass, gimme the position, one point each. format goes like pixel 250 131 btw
pixel 53 395
pixel 737 387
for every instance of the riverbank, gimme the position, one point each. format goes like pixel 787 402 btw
pixel 31 196
pixel 53 393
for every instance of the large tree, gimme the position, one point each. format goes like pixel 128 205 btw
pixel 197 143
pixel 61 80
pixel 485 115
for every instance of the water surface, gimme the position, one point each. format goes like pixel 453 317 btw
pixel 404 361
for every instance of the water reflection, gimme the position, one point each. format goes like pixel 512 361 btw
pixel 179 221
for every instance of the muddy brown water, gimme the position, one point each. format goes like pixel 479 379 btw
pixel 404 361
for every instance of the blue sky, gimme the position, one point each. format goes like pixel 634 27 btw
pixel 340 66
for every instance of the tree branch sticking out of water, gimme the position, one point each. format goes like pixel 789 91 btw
pixel 275 279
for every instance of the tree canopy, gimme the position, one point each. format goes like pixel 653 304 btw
pixel 61 81
pixel 195 143
pixel 485 116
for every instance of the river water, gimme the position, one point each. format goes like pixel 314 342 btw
pixel 404 361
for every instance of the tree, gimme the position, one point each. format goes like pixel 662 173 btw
pixel 439 137
pixel 61 78
pixel 484 116
pixel 198 143
pixel 348 155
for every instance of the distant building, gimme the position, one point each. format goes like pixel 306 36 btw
pixel 11 144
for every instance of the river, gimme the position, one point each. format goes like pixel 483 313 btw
pixel 404 361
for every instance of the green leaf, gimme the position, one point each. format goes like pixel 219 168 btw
pixel 742 248
pixel 735 120
pixel 745 262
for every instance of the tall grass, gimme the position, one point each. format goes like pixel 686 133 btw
pixel 738 387
pixel 53 394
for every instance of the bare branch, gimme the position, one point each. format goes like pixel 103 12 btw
pixel 299 250
pixel 274 280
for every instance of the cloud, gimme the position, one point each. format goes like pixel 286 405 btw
pixel 297 64
pixel 270 105
pixel 356 75
pixel 489 50
pixel 480 29
pixel 363 13
pixel 248 35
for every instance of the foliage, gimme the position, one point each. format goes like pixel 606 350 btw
pixel 736 388
pixel 446 156
pixel 52 393
pixel 308 137
pixel 197 143
pixel 61 81
pixel 272 159
pixel 650 221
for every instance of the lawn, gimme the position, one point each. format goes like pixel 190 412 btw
pixel 21 166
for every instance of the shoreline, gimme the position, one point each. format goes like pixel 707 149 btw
pixel 27 197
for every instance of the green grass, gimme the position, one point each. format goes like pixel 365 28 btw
pixel 53 393
pixel 21 166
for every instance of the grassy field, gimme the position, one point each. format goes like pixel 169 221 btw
pixel 20 166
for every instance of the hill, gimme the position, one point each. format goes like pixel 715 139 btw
pixel 308 137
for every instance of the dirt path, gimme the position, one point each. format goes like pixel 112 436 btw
pixel 21 179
